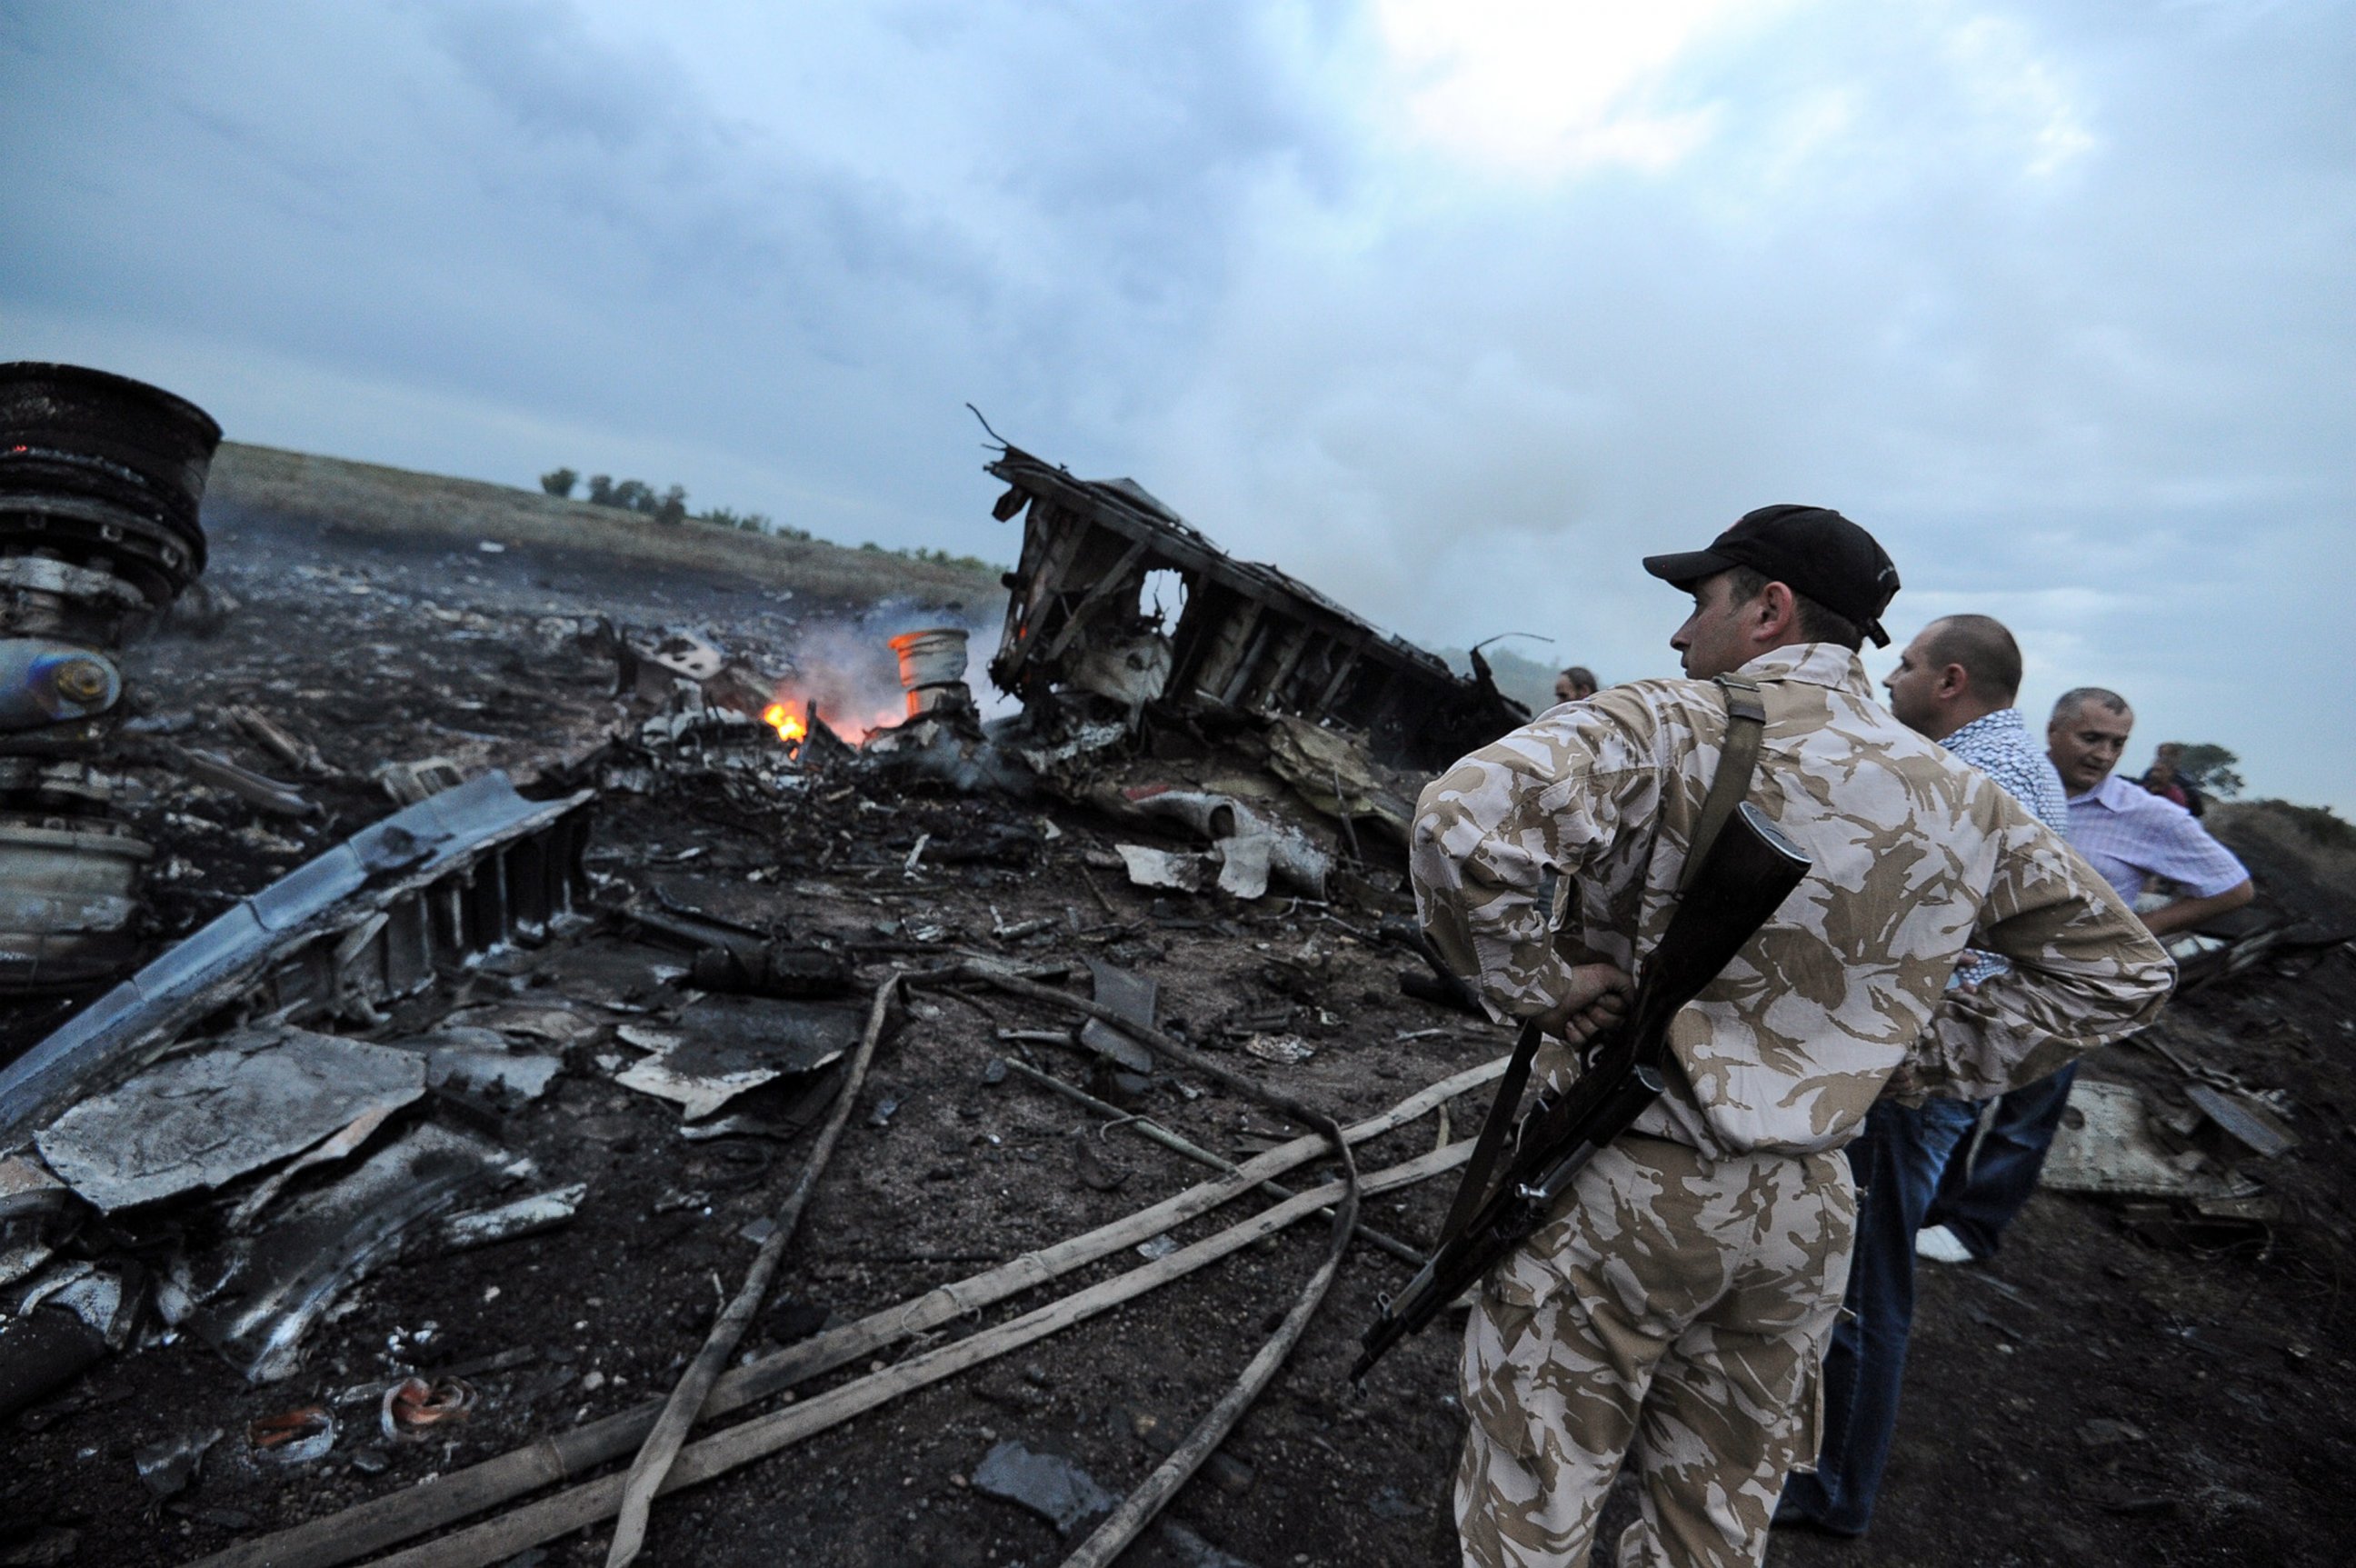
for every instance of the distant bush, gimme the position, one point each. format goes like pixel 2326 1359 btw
pixel 751 523
pixel 2211 769
pixel 631 495
pixel 721 517
pixel 670 508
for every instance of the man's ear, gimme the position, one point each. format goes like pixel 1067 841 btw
pixel 1772 611
pixel 1954 680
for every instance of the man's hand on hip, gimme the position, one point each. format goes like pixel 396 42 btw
pixel 1596 999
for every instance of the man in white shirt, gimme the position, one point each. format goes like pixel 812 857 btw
pixel 2129 835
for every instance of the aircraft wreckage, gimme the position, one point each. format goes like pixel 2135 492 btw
pixel 480 1137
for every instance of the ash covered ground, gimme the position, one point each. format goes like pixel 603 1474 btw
pixel 2117 1387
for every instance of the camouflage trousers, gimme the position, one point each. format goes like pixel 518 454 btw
pixel 1675 1304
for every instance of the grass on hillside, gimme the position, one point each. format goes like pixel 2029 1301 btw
pixel 370 498
pixel 2313 833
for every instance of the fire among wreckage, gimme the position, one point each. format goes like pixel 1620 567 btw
pixel 984 1033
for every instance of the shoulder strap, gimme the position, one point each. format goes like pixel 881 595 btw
pixel 1746 724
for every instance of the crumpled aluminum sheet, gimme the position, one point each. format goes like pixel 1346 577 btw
pixel 205 1119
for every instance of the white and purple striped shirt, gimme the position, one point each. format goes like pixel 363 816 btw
pixel 2130 835
pixel 1998 744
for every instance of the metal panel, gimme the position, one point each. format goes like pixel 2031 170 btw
pixel 408 947
pixel 419 845
pixel 1245 631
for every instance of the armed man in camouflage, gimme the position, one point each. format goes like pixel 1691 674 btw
pixel 1679 1300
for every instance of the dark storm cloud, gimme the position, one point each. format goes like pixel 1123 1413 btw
pixel 513 202
pixel 616 142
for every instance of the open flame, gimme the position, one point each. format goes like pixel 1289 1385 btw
pixel 790 715
pixel 790 725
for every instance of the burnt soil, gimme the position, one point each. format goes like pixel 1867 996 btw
pixel 2109 1390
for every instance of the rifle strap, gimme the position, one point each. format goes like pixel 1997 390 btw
pixel 1473 1188
pixel 1738 759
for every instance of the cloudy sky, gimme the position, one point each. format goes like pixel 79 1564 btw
pixel 1453 308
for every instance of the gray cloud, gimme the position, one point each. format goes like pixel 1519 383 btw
pixel 2054 298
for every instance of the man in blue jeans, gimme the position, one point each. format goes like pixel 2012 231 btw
pixel 1954 684
pixel 2130 835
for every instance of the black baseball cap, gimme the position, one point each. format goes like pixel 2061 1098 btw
pixel 1813 549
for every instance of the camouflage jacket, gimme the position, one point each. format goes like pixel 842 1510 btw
pixel 1916 855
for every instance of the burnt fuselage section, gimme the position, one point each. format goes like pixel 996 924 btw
pixel 1248 639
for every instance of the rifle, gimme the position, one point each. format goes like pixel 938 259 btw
pixel 1745 874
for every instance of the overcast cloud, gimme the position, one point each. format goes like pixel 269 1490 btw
pixel 1454 308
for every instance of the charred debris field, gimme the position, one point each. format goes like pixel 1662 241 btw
pixel 385 1244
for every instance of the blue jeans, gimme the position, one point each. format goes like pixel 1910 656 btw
pixel 1978 1200
pixel 1897 1162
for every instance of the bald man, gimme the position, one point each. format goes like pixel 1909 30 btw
pixel 1954 684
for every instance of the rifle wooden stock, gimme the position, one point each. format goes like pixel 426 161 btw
pixel 1745 876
